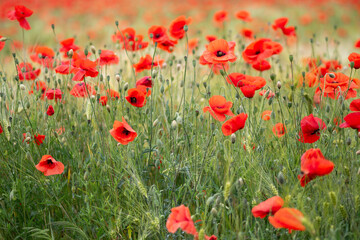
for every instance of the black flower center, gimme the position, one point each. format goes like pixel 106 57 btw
pixel 126 132
pixel 157 35
pixel 220 53
pixel 316 132
pixel 257 52
pixel 49 162
pixel 133 99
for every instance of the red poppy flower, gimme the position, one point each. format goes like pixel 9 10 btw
pixel 167 45
pixel 243 15
pixel 40 86
pixel 266 115
pixel 130 40
pixel 158 33
pixel 211 38
pixel 247 33
pixel 218 108
pixel 136 97
pixel 352 120
pixel 310 129
pixel 270 95
pixel 355 105
pixel 357 44
pixel 193 43
pixel 313 164
pixel 144 81
pixel 176 28
pixel 2 43
pixel 261 65
pixel 53 94
pixel 103 100
pixel 26 72
pixel 271 205
pixel 257 51
pixel 180 218
pixel 108 57
pixel 49 166
pixel 355 57
pixel 339 84
pixel 215 67
pixel 79 90
pixel 248 91
pixel 113 94
pixel 220 16
pixel 279 130
pixel 289 218
pixel 50 111
pixel 20 14
pixel 234 124
pixel 122 132
pixel 84 68
pixel 145 63
pixel 1 130
pixel 280 24
pixel 67 45
pixel 219 51
pixel 43 55
pixel 64 68
pixel 38 139
pixel 241 80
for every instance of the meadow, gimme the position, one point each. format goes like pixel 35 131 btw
pixel 179 119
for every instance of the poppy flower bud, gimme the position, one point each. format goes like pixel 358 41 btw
pixel 173 124
pixel 151 35
pixel 70 53
pixel 233 138
pixel 162 89
pixel 204 84
pixel 352 64
pixel 348 141
pixel 126 86
pixel 108 108
pixel 186 28
pixel 179 120
pixel 291 58
pixel 289 104
pixel 27 105
pixel 358 134
pixel 331 75
pixel 278 84
pixel 93 49
pixel 86 51
pixel 214 212
pixel 358 152
pixel 241 182
pixel 194 63
pixel 3 39
pixel 178 67
pixel 272 76
pixel 281 178
pixel 117 77
pixel 22 87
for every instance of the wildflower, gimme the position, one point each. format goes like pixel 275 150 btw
pixel 53 94
pixel 84 68
pixel 279 130
pixel 355 57
pixel 271 205
pixel 50 111
pixel 136 97
pixel 176 28
pixel 266 115
pixel 220 17
pixel 26 72
pixel 219 51
pixel 67 45
pixel 20 14
pixel 234 124
pixel 355 105
pixel 80 91
pixel 44 56
pixel 122 132
pixel 243 15
pixel 49 166
pixel 280 24
pixel 180 218
pixel 289 218
pixel 146 62
pixel 313 164
pixel 108 57
pixel 352 120
pixel 218 108
pixel 310 129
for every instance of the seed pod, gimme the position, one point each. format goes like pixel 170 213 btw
pixel 126 86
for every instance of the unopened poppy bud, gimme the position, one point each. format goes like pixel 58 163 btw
pixel 348 141
pixel 70 53
pixel 352 64
pixel 358 134
pixel 289 104
pixel 194 63
pixel 22 87
pixel 179 120
pixel 155 122
pixel 162 89
pixel 233 138
pixel 117 23
pixel 186 28
pixel 358 152
pixel 222 72
pixel 93 49
pixel 3 39
pixel 27 105
pixel 178 67
pixel 291 58
pixel 173 124
pixel 126 86
pixel 151 35
pixel 117 77
pixel 272 76
pixel 331 75
pixel 214 212
pixel 108 108
pixel 281 178
pixel 278 84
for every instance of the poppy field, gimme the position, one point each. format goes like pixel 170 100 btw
pixel 179 119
